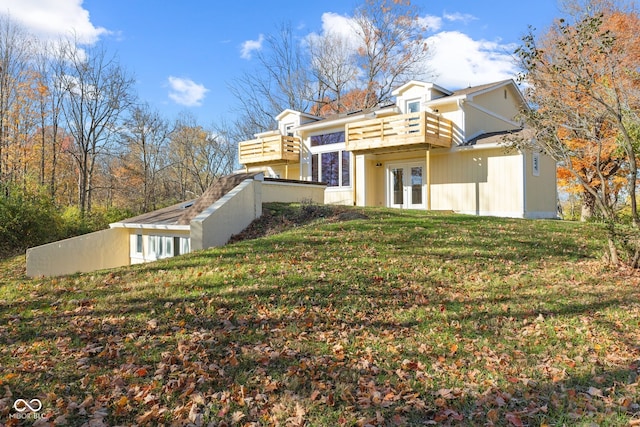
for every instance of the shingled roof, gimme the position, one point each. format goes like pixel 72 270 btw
pixel 182 213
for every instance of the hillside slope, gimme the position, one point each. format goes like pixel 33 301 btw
pixel 348 317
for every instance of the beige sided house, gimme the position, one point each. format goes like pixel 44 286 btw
pixel 432 149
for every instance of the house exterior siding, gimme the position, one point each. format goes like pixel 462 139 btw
pixel 478 182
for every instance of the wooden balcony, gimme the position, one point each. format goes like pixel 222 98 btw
pixel 399 132
pixel 270 149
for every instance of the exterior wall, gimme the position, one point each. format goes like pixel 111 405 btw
pixel 288 192
pixel 496 102
pixel 338 196
pixel 228 216
pixel 94 251
pixel 479 122
pixel 541 199
pixel 277 171
pixel 478 181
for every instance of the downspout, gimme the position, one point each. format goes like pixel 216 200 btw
pixel 428 164
pixel 524 183
pixel 463 121
pixel 353 184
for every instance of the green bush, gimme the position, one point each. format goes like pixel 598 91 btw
pixel 28 220
pixel 25 221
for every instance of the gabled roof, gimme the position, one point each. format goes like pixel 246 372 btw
pixel 474 90
pixel 500 137
pixel 426 85
pixel 182 213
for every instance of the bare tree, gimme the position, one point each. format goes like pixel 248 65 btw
pixel 145 139
pixel 392 47
pixel 199 155
pixel 50 95
pixel 280 80
pixel 334 70
pixel 15 54
pixel 97 92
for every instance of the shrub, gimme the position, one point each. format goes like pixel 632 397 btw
pixel 27 220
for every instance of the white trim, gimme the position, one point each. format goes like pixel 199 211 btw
pixel 298 113
pixel 150 226
pixel 492 114
pixel 425 85
pixel 295 184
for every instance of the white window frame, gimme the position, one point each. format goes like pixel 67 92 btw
pixel 410 102
pixel 332 148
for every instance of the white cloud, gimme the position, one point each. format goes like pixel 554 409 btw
pixel 459 61
pixel 52 19
pixel 250 45
pixel 433 23
pixel 337 25
pixel 186 92
pixel 465 18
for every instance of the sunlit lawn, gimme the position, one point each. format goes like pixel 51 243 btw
pixel 399 318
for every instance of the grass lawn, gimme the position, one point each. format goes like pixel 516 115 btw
pixel 371 317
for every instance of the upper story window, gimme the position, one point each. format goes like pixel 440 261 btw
pixel 288 129
pixel 413 106
pixel 327 138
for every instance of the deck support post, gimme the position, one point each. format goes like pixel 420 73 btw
pixel 428 165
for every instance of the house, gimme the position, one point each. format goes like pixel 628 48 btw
pixel 433 149
pixel 226 208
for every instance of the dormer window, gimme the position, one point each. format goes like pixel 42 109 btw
pixel 413 106
pixel 288 129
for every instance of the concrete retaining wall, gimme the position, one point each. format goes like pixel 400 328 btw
pixel 89 252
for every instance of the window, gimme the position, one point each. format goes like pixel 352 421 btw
pixel 333 167
pixel 161 247
pixel 288 129
pixel 138 243
pixel 327 138
pixel 330 168
pixel 413 107
pixel 346 173
pixel 185 245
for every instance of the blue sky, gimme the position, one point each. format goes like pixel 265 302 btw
pixel 184 54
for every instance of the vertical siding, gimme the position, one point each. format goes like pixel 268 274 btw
pixel 480 182
pixel 541 193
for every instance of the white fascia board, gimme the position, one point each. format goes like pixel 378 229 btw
pixel 477 147
pixel 445 100
pixel 299 113
pixel 492 114
pixel 164 227
pixel 425 85
pixel 505 83
pixel 331 123
pixel 266 133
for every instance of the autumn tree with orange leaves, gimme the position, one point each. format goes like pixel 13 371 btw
pixel 585 89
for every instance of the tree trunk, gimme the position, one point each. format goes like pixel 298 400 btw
pixel 588 206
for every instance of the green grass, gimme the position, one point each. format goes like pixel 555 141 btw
pixel 396 318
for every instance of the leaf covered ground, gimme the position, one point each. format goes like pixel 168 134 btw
pixel 351 317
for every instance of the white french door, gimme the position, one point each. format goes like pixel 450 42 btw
pixel 406 187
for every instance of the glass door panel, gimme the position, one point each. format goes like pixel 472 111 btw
pixel 398 186
pixel 416 185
